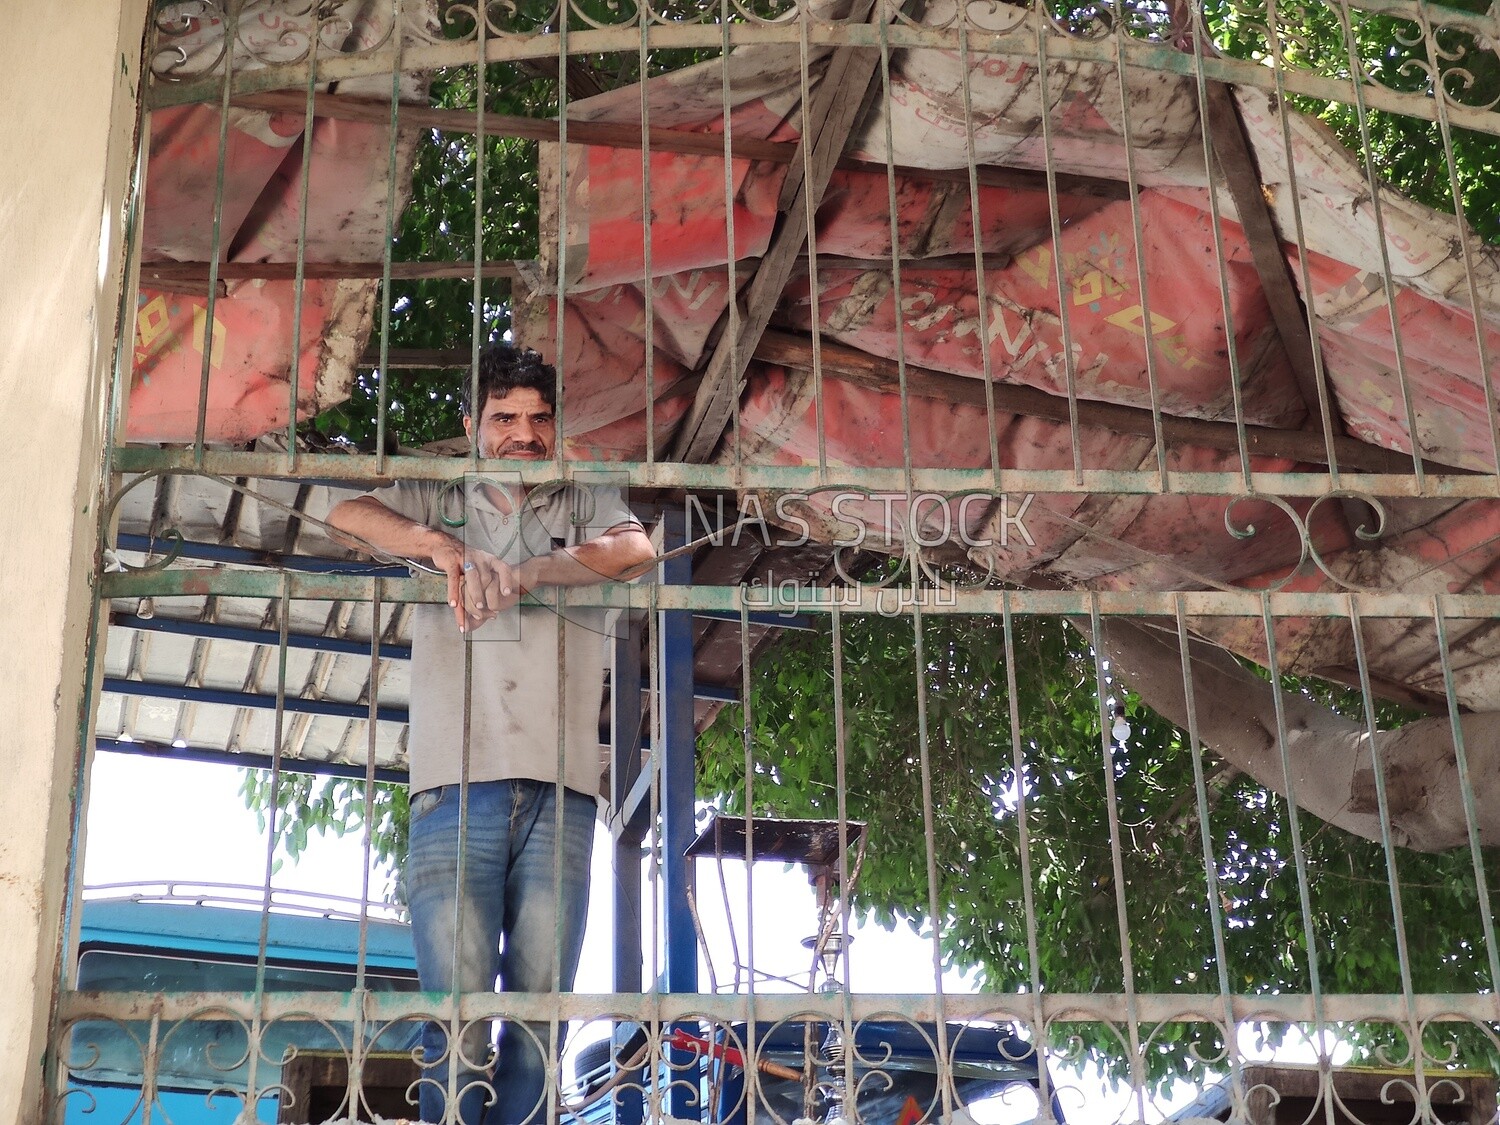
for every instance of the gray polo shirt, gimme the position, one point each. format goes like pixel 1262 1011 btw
pixel 513 686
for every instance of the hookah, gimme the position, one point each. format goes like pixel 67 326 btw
pixel 828 946
pixel 819 845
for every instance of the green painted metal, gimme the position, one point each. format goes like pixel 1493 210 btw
pixel 380 1007
pixel 363 471
pixel 888 601
pixel 1018 42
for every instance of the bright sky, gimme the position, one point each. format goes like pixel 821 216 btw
pixel 152 820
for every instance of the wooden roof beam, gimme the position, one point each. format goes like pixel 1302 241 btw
pixel 849 81
pixel 614 134
pixel 159 274
pixel 1241 173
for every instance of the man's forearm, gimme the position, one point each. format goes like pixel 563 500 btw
pixel 368 520
pixel 612 555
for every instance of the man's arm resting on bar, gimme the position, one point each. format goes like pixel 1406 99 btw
pixel 620 551
pixel 368 519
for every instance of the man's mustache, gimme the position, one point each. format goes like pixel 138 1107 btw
pixel 524 447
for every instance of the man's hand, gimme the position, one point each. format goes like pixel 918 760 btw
pixel 480 586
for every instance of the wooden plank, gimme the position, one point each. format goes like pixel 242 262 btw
pixel 619 135
pixel 375 111
pixel 1241 172
pixel 196 273
pixel 848 83
pixel 1242 176
pixel 188 274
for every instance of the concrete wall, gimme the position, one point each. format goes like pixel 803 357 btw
pixel 69 74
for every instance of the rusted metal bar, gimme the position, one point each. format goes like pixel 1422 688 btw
pixel 852 365
pixel 808 599
pixel 186 275
pixel 606 133
pixel 363 472
pixel 196 273
pixel 1019 41
pixel 647 1008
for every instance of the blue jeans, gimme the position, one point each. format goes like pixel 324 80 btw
pixel 508 891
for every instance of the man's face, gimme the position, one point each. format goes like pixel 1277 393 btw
pixel 518 425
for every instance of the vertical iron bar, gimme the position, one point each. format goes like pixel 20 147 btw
pixel 841 794
pixel 1117 863
pixel 361 994
pixel 944 1077
pixel 1372 180
pixel 648 287
pixel 1040 21
pixel 461 859
pixel 976 224
pixel 809 205
pixel 476 331
pixel 388 246
pixel 299 280
pixel 1464 234
pixel 560 324
pixel 553 1063
pixel 747 739
pixel 1210 866
pixel 1388 846
pixel 1028 884
pixel 1299 852
pixel 1327 403
pixel 283 615
pixel 654 647
pixel 1231 351
pixel 215 241
pixel 1138 233
pixel 1466 789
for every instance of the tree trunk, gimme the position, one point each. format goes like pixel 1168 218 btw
pixel 1328 755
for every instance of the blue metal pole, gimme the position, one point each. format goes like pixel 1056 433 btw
pixel 625 758
pixel 677 796
pixel 211 630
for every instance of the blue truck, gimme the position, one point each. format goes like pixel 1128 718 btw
pixel 211 943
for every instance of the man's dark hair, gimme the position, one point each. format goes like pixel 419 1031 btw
pixel 503 368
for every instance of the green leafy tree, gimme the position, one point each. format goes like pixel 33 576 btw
pixel 1407 153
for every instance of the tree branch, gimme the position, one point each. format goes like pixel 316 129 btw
pixel 1331 765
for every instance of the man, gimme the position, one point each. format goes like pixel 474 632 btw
pixel 486 703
